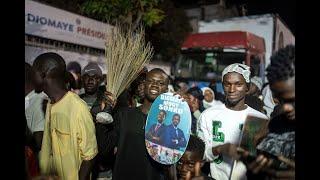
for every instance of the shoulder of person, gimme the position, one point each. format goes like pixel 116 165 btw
pixel 38 98
pixel 256 113
pixel 42 95
pixel 213 110
pixel 77 102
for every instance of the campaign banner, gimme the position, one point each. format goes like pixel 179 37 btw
pixel 83 59
pixel 168 128
pixel 53 23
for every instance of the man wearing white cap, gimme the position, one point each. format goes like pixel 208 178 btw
pixel 220 127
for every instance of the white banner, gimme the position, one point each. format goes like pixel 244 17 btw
pixel 82 58
pixel 52 23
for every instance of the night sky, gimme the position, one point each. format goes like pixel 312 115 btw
pixel 285 8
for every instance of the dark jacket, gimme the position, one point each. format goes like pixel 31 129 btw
pixel 105 133
pixel 171 134
pixel 160 132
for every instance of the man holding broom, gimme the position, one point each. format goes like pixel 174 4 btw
pixel 126 55
pixel 132 159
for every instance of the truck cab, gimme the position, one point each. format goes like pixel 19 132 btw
pixel 205 55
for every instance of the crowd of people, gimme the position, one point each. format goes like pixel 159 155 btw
pixel 75 129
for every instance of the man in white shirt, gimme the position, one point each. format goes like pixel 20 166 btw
pixel 34 107
pixel 220 127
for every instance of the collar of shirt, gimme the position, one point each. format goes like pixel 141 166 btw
pixel 30 95
pixel 28 98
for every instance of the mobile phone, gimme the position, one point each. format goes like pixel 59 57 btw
pixel 250 158
pixel 276 163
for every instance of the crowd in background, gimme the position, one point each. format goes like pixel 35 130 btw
pixel 75 129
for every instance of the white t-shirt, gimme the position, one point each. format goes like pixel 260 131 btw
pixel 219 125
pixel 34 112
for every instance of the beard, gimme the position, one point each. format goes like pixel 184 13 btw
pixel 233 103
pixel 150 98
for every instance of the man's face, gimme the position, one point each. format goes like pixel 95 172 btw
pixel 191 99
pixel 91 83
pixel 235 88
pixel 156 84
pixel 175 120
pixel 161 116
pixel 183 88
pixel 188 162
pixel 208 96
pixel 141 89
pixel 38 82
pixel 284 92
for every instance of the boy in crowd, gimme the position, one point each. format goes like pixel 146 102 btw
pixel 189 165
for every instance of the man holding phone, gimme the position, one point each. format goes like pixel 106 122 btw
pixel 279 145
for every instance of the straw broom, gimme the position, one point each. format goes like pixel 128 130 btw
pixel 126 55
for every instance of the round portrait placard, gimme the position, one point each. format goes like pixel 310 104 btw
pixel 168 128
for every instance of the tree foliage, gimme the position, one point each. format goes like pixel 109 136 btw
pixel 166 25
pixel 131 12
pixel 168 36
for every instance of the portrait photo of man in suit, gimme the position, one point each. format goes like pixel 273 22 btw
pixel 174 137
pixel 156 132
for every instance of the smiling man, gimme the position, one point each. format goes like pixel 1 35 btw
pixel 220 127
pixel 156 131
pixel 132 159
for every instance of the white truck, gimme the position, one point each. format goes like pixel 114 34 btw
pixel 270 27
pixel 250 40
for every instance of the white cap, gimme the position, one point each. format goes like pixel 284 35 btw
pixel 242 69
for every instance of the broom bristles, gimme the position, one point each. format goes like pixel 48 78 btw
pixel 126 55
